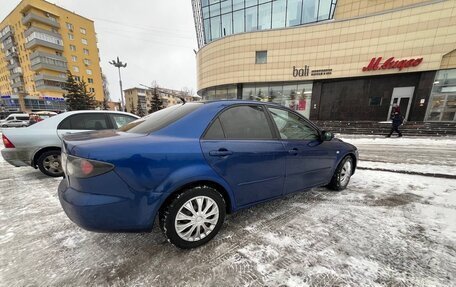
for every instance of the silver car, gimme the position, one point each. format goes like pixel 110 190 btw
pixel 39 145
pixel 15 124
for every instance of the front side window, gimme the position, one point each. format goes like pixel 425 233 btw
pixel 245 122
pixel 121 120
pixel 292 127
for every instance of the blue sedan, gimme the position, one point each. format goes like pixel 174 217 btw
pixel 193 163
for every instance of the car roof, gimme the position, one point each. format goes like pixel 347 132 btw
pixel 55 120
pixel 236 102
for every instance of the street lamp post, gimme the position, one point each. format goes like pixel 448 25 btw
pixel 118 64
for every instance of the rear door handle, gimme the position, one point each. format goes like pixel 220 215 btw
pixel 220 152
pixel 293 151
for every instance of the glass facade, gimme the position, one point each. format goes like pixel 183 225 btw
pixel 442 103
pixel 294 95
pixel 221 18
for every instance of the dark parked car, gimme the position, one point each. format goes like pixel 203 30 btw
pixel 191 164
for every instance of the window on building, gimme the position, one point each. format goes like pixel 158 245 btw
pixel 76 69
pixel 261 57
pixel 90 80
pixel 69 26
pixel 83 30
pixel 87 62
pixel 89 72
pixel 92 90
pixel 72 47
pixel 84 41
pixel 70 36
pixel 77 78
pixel 375 101
pixel 74 58
pixel 86 51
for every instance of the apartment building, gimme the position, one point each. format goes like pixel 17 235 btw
pixel 39 42
pixel 169 97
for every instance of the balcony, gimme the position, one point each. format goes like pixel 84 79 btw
pixel 41 60
pixel 11 55
pixel 19 83
pixel 50 21
pixel 45 82
pixel 13 65
pixel 41 37
pixel 38 42
pixel 6 34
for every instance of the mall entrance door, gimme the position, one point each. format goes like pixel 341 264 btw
pixel 403 97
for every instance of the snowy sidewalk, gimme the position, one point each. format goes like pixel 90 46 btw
pixel 412 155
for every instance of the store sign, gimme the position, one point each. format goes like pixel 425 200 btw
pixel 391 63
pixel 304 72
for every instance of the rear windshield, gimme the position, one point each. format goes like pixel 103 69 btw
pixel 160 119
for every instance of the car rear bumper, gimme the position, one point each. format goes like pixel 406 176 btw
pixel 17 156
pixel 107 213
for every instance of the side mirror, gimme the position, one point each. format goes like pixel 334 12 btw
pixel 326 136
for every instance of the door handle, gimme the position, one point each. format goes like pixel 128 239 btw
pixel 220 152
pixel 293 151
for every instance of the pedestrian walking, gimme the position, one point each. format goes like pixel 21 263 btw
pixel 395 109
pixel 397 121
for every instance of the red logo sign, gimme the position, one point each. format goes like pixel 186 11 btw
pixel 375 65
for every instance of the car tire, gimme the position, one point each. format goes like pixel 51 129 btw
pixel 49 163
pixel 193 217
pixel 342 175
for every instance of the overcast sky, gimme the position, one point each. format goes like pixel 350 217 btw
pixel 155 38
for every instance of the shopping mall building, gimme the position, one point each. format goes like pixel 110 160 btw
pixel 331 60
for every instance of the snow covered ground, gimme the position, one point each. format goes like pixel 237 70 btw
pixel 386 229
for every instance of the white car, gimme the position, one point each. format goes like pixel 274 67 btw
pixel 39 145
pixel 15 124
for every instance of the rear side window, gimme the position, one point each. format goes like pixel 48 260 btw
pixel 215 132
pixel 94 121
pixel 160 119
pixel 22 118
pixel 243 122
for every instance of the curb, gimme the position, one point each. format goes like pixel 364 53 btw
pixel 440 175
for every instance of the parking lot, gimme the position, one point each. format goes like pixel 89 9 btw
pixel 387 228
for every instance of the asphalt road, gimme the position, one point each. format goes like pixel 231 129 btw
pixel 386 229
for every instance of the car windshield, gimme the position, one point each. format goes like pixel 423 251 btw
pixel 160 119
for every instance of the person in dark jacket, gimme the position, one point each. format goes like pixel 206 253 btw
pixel 397 120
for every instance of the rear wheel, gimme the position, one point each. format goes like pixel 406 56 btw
pixel 342 175
pixel 194 217
pixel 50 164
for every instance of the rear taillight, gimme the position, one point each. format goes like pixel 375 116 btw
pixel 6 142
pixel 82 168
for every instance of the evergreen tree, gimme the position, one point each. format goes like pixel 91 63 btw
pixel 105 104
pixel 132 109
pixel 77 96
pixel 139 110
pixel 156 102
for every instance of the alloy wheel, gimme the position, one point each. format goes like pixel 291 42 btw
pixel 197 218
pixel 345 172
pixel 52 164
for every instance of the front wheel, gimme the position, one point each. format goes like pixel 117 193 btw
pixel 342 175
pixel 194 217
pixel 50 164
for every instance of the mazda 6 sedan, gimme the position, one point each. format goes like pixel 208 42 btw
pixel 191 164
